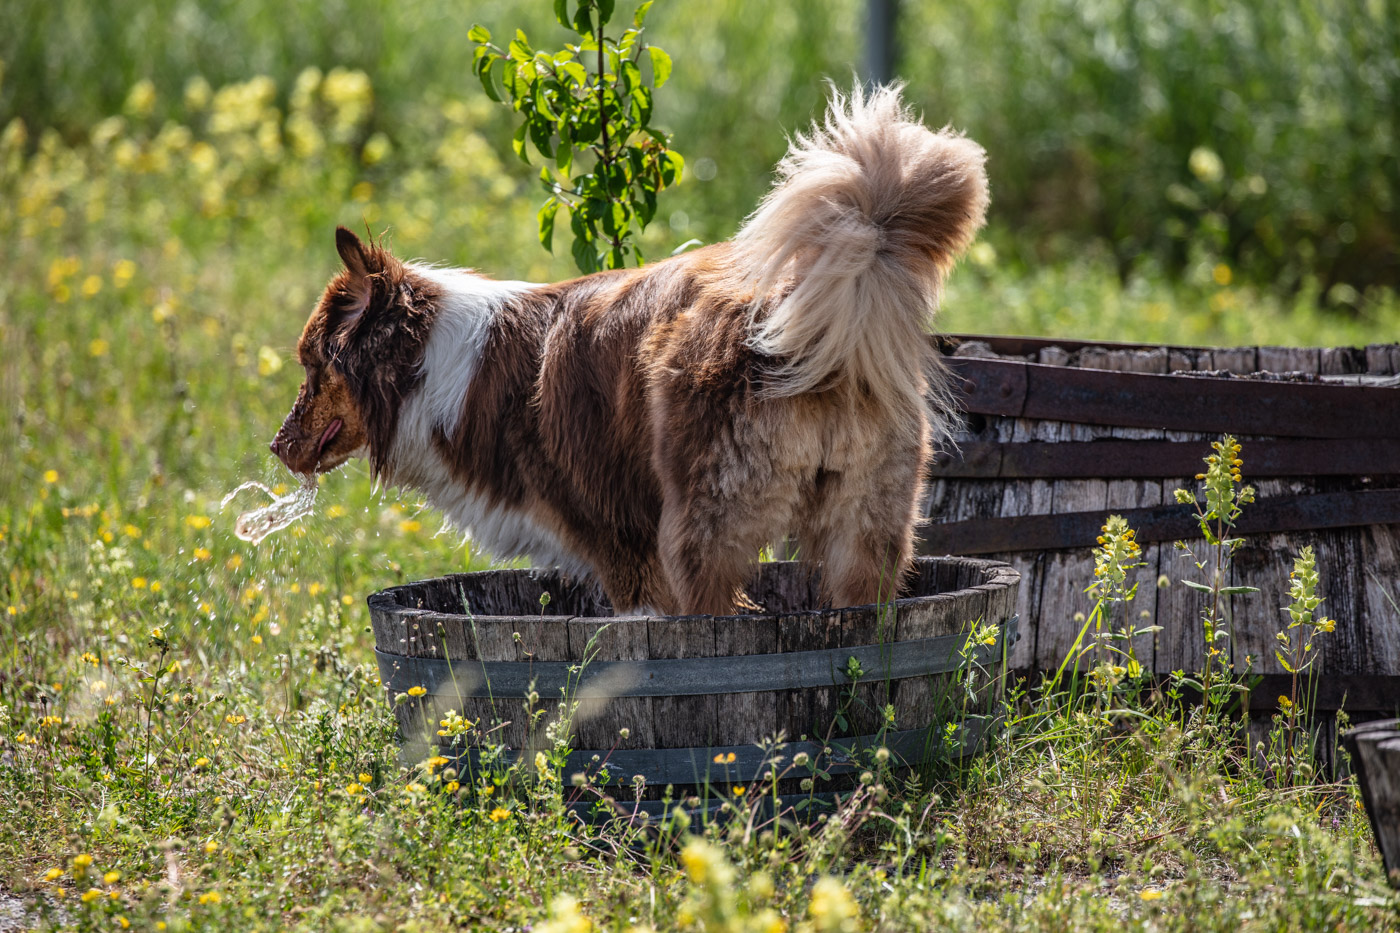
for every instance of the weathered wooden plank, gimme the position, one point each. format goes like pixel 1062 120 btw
pixel 597 721
pixel 1068 572
pixel 682 721
pixel 808 712
pixel 1375 751
pixel 1337 361
pixel 746 717
pixel 1290 360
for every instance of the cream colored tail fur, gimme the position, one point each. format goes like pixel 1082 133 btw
pixel 869 212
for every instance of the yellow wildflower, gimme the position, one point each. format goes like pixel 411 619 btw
pixel 50 476
pixel 417 691
pixel 498 814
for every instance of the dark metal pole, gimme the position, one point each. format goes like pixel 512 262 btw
pixel 880 48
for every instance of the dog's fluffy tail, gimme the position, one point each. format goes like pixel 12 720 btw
pixel 848 252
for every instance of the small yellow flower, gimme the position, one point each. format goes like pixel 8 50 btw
pixel 352 788
pixel 498 814
pixel 53 874
pixel 112 877
pixel 90 895
pixel 202 553
pixel 723 759
pixel 201 762
pixel 50 476
pixel 452 786
pixel 81 862
pixel 256 639
pixel 131 531
pixel 233 719
pixel 410 526
pixel 197 521
pixel 365 778
pixel 415 788
pixel 1150 894
pixel 234 562
pixel 211 847
pixel 487 790
pixel 155 586
pixel 88 657
pixel 347 600
pixel 417 691
pixel 138 583
pixel 210 897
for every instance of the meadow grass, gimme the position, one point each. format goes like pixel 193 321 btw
pixel 192 735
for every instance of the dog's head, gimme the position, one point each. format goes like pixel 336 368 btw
pixel 361 349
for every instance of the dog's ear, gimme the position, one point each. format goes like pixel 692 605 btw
pixel 355 288
pixel 353 253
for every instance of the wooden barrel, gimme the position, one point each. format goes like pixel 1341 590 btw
pixel 1060 434
pixel 692 701
pixel 1375 755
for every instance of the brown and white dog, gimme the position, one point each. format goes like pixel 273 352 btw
pixel 656 427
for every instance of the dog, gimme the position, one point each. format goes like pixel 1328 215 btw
pixel 656 427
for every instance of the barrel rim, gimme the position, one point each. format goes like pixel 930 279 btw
pixel 998 576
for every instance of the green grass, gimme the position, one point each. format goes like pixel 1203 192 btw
pixel 158 268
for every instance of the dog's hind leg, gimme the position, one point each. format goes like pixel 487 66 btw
pixel 709 543
pixel 860 526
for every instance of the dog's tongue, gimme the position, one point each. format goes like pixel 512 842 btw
pixel 331 430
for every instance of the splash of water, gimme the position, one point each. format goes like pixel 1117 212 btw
pixel 256 524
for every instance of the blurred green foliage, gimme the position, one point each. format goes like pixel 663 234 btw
pixel 1266 134
pixel 1262 135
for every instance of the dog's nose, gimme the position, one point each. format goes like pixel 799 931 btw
pixel 274 447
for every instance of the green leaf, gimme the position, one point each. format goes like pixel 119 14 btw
pixel 1198 587
pixel 585 256
pixel 561 12
pixel 576 71
pixel 479 33
pixel 564 155
pixel 672 167
pixel 640 16
pixel 629 74
pixel 605 11
pixel 1284 662
pixel 484 72
pixel 517 142
pixel 1238 590
pixel 660 65
pixel 520 47
pixel 542 135
pixel 546 220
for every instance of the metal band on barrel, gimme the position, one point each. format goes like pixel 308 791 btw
pixel 697 765
pixel 753 673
